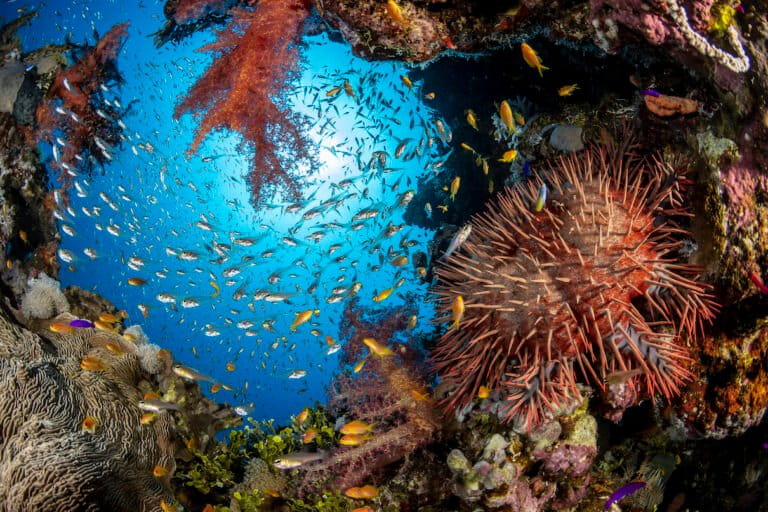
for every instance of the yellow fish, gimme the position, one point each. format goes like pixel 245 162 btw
pixel 541 199
pixel 396 13
pixel 532 58
pixel 457 308
pixel 430 96
pixel 301 318
pixel 348 89
pixel 407 81
pixel 358 366
pixel 508 156
pixel 519 118
pixel 505 112
pixel 23 236
pixel 377 348
pixel 215 287
pixel 469 148
pixel 136 281
pixel 490 186
pixel 471 119
pixel 412 322
pixel 399 261
pixel 147 418
pixel 159 471
pixel 383 295
pixel 353 439
pixel 231 366
pixel 356 427
pixel 333 92
pixel 485 166
pixel 567 90
pixel 442 207
pixel 483 392
pixel 455 184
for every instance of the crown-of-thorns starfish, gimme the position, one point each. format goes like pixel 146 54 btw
pixel 589 286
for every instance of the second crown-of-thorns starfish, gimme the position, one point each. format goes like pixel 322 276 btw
pixel 592 285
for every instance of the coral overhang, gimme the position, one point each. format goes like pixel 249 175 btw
pixel 589 287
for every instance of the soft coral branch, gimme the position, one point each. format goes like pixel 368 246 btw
pixel 241 90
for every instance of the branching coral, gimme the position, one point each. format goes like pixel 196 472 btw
pixel 582 287
pixel 74 106
pixel 256 57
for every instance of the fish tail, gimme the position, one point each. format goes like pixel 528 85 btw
pixel 541 69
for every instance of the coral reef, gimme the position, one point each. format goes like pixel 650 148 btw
pixel 74 106
pixel 48 460
pixel 388 394
pixel 256 57
pixel 577 267
pixel 27 229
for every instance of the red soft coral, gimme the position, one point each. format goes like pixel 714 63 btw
pixel 257 56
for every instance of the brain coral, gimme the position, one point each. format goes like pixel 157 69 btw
pixel 589 288
pixel 48 461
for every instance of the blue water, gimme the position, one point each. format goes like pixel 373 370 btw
pixel 159 194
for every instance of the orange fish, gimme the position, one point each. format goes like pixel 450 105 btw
pixel 136 281
pixel 103 326
pixel 91 364
pixel 151 395
pixel 396 13
pixel 60 327
pixel 109 318
pixel 457 309
pixel 231 366
pixel 363 509
pixel 567 90
pixel 147 418
pixel 90 424
pixel 159 471
pixel 114 348
pixel 216 387
pixel 309 435
pixel 532 58
pixel 483 392
pixel 302 416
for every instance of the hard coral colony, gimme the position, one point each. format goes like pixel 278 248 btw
pixel 587 287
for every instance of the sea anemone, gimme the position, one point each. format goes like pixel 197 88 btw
pixel 43 298
pixel 589 288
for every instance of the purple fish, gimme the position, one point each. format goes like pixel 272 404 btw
pixel 765 446
pixel 526 169
pixel 650 92
pixel 623 491
pixel 81 324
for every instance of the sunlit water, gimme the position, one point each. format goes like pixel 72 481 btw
pixel 157 194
